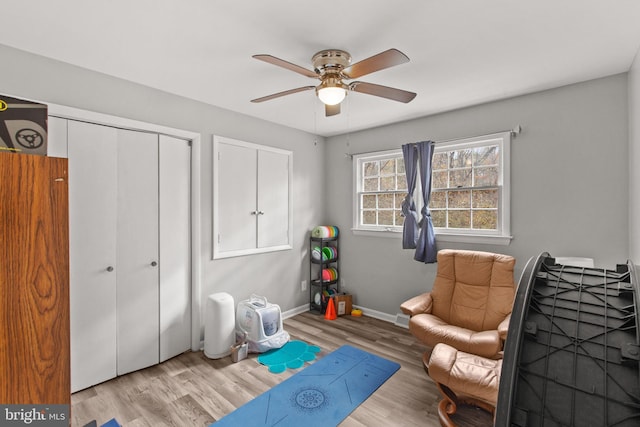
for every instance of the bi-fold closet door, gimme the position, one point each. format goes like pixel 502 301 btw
pixel 129 250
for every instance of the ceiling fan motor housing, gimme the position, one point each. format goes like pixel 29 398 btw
pixel 330 61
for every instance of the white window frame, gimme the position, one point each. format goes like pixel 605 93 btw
pixel 500 236
pixel 358 161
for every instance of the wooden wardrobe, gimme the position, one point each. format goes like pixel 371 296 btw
pixel 34 280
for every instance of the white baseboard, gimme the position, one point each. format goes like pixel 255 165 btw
pixel 402 320
pixel 377 314
pixel 294 311
pixel 397 319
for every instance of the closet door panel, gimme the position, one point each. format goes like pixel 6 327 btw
pixel 273 198
pixel 236 191
pixel 92 246
pixel 137 256
pixel 175 246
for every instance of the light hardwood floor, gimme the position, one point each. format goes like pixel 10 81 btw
pixel 191 390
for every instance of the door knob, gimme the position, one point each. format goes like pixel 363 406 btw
pixel 153 263
pixel 109 269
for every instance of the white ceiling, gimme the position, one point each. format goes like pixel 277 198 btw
pixel 463 52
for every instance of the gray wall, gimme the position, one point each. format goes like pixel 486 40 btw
pixel 569 185
pixel 634 160
pixel 275 275
pixel 569 176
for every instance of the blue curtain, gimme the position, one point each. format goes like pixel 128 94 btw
pixel 410 228
pixel 426 243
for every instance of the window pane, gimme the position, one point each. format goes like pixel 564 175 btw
pixel 388 167
pixel 369 201
pixel 438 199
pixel 400 165
pixel 460 158
pixel 399 218
pixel 439 161
pixel 385 217
pixel 402 182
pixel 439 218
pixel 385 201
pixel 459 199
pixel 485 220
pixel 388 183
pixel 483 156
pixel 369 217
pixel 485 198
pixel 486 176
pixel 459 219
pixel 370 169
pixel 439 180
pixel 399 197
pixel 460 178
pixel 371 184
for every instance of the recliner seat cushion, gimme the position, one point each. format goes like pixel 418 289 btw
pixel 432 330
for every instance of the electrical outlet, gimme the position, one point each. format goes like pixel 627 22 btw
pixel 303 285
pixel 343 286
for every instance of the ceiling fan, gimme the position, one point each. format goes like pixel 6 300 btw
pixel 332 67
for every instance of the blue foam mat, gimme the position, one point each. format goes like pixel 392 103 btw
pixel 323 394
pixel 291 355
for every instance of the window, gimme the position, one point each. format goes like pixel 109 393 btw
pixel 469 190
pixel 381 187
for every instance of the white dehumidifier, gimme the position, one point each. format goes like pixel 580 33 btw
pixel 261 323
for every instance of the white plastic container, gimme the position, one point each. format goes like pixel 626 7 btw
pixel 219 325
pixel 261 321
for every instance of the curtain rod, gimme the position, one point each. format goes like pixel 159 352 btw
pixel 514 132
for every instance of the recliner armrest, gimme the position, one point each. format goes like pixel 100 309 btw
pixel 503 327
pixel 418 304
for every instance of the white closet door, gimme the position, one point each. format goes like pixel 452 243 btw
pixel 273 198
pixel 175 247
pixel 92 246
pixel 236 191
pixel 137 237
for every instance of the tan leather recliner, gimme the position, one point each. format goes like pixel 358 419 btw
pixel 463 378
pixel 470 303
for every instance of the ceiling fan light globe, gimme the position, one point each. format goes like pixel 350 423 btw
pixel 332 95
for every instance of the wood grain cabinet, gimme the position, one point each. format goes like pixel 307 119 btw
pixel 34 280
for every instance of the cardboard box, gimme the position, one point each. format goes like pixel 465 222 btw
pixel 343 304
pixel 23 126
pixel 239 352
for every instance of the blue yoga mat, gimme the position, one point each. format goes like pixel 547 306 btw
pixel 323 394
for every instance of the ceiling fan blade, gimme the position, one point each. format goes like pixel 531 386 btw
pixel 286 92
pixel 288 65
pixel 386 59
pixel 383 91
pixel 331 110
